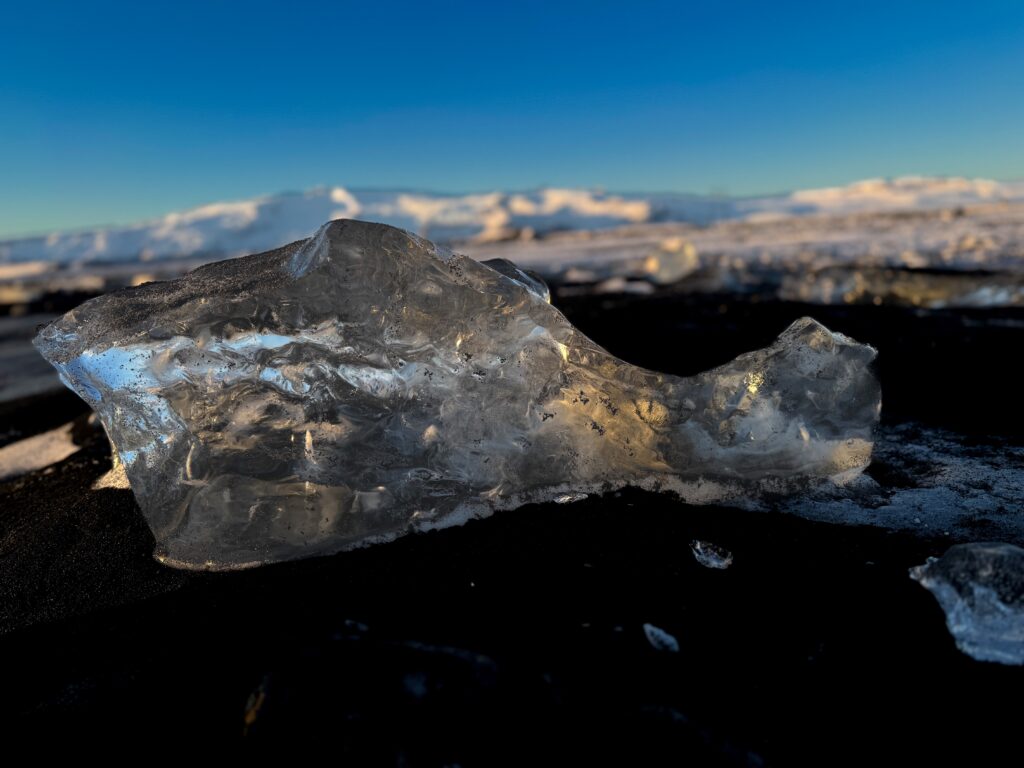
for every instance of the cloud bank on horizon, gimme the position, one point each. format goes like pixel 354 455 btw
pixel 226 229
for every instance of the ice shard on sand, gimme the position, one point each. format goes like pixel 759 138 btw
pixel 365 383
pixel 980 586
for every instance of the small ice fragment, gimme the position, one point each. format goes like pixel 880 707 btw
pixel 619 284
pixel 980 586
pixel 661 640
pixel 569 498
pixel 711 555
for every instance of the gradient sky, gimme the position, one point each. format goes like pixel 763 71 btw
pixel 115 111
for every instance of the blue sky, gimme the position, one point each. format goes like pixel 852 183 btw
pixel 115 111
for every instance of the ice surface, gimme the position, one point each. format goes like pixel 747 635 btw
pixel 711 555
pixel 365 383
pixel 980 586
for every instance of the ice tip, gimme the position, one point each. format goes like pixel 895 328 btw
pixel 817 335
pixel 354 233
pixel 52 340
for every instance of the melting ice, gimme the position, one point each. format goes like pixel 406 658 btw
pixel 364 383
pixel 980 586
pixel 710 555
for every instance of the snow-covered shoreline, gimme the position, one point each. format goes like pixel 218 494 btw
pixel 226 229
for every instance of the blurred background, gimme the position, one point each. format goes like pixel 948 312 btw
pixel 789 155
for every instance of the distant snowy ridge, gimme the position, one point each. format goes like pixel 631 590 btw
pixel 876 195
pixel 222 230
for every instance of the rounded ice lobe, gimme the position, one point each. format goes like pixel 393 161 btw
pixel 365 383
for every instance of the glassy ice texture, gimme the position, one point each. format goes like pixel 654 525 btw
pixel 980 586
pixel 710 555
pixel 365 383
pixel 661 640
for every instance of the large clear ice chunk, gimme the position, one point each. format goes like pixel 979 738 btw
pixel 980 586
pixel 364 383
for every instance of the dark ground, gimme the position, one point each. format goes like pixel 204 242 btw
pixel 519 638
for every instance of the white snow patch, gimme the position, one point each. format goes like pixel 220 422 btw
pixel 36 452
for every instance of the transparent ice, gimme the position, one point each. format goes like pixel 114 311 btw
pixel 710 555
pixel 980 586
pixel 661 640
pixel 365 383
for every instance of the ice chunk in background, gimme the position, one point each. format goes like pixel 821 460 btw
pixel 673 260
pixel 980 586
pixel 365 383
pixel 928 288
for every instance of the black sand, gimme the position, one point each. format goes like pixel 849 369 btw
pixel 519 638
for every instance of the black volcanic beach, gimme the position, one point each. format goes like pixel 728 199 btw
pixel 478 384
pixel 521 637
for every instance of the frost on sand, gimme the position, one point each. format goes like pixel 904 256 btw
pixel 366 383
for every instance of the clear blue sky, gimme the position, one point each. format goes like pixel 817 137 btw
pixel 114 111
